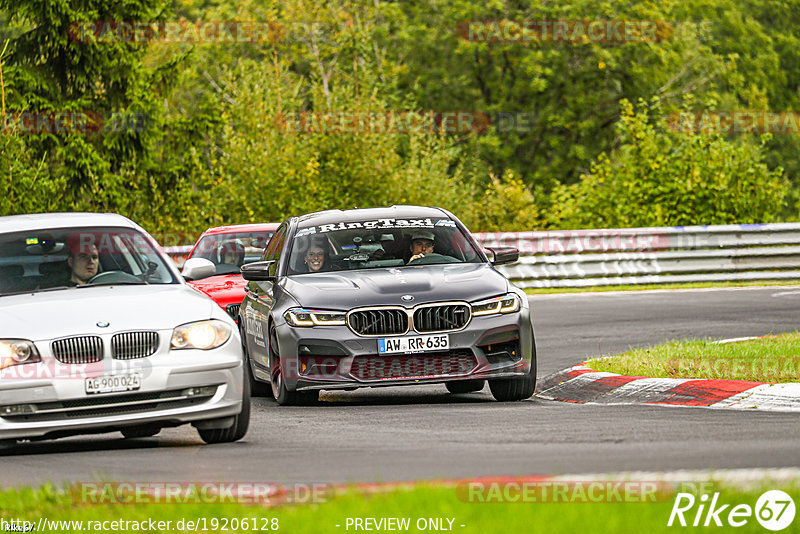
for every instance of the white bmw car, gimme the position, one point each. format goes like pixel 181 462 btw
pixel 99 332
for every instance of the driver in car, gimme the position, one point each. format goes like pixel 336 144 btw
pixel 83 263
pixel 421 244
pixel 231 253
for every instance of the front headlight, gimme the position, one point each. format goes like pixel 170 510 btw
pixel 303 317
pixel 203 335
pixel 508 303
pixel 17 352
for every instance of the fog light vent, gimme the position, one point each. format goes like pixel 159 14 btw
pixel 17 409
pixel 205 391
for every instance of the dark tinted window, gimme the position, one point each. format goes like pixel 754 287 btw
pixel 275 247
pixel 229 251
pixel 378 244
pixel 52 258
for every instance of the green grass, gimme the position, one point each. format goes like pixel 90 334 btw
pixel 426 501
pixel 643 287
pixel 774 359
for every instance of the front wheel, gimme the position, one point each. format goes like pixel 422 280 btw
pixel 241 422
pixel 517 388
pixel 277 371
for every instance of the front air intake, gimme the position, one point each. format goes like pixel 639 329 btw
pixel 132 345
pixel 78 349
pixel 378 321
pixel 441 318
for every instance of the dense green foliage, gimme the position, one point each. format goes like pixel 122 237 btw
pixel 196 134
pixel 658 177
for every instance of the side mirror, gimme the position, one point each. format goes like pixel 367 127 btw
pixel 197 268
pixel 258 271
pixel 503 255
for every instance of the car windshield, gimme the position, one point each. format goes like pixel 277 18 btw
pixel 381 243
pixel 229 251
pixel 40 260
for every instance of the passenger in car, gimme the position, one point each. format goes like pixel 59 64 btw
pixel 315 259
pixel 388 248
pixel 231 253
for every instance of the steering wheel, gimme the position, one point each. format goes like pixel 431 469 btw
pixel 433 258
pixel 110 277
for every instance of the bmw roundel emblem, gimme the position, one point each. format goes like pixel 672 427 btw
pixel 103 324
pixel 407 298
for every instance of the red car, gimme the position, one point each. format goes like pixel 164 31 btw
pixel 228 248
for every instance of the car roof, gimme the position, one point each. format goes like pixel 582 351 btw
pixel 39 221
pixel 393 212
pixel 235 228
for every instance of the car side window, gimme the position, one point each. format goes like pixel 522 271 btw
pixel 275 247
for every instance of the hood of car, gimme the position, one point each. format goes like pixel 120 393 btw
pixel 344 290
pixel 223 289
pixel 74 311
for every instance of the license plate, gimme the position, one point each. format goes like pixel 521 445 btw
pixel 413 344
pixel 114 383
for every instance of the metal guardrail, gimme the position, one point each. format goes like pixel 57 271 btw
pixel 178 253
pixel 584 258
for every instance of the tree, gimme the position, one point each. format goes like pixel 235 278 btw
pixel 659 177
pixel 567 92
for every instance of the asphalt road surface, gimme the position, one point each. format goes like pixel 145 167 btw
pixel 392 434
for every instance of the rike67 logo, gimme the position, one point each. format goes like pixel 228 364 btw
pixel 774 510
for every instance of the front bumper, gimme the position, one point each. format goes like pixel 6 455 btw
pixel 492 347
pixel 168 395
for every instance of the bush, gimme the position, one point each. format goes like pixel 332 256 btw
pixel 659 177
pixel 269 166
pixel 507 206
pixel 26 186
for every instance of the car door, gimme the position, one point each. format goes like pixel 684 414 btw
pixel 258 303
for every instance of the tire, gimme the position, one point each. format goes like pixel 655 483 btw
pixel 277 368
pixel 257 388
pixel 140 432
pixel 241 422
pixel 465 386
pixel 517 388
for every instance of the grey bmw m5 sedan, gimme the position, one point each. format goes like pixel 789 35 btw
pixel 384 297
